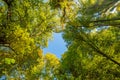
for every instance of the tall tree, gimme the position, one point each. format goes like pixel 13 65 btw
pixel 25 27
pixel 87 21
pixel 93 40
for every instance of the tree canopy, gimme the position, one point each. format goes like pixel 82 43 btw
pixel 91 29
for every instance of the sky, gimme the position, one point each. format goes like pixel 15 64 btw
pixel 56 46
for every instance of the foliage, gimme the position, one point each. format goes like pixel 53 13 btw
pixel 91 39
pixel 23 30
pixel 46 68
pixel 90 29
pixel 82 61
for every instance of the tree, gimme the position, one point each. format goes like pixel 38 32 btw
pixel 25 27
pixel 93 20
pixel 82 61
pixel 92 36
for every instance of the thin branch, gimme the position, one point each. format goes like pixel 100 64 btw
pixel 105 20
pixel 103 54
pixel 8 45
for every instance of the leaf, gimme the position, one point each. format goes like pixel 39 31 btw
pixel 12 61
pixel 40 53
pixel 118 7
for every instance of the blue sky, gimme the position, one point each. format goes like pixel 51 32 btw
pixel 56 46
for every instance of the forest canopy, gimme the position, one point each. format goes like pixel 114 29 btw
pixel 91 29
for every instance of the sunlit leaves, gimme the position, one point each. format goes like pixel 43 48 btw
pixel 40 53
pixel 87 3
pixel 9 61
pixel 19 39
pixel 46 67
pixel 51 60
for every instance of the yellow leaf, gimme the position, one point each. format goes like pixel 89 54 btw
pixel 93 1
pixel 40 53
pixel 118 7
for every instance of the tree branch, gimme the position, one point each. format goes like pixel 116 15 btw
pixel 105 20
pixel 8 45
pixel 93 46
